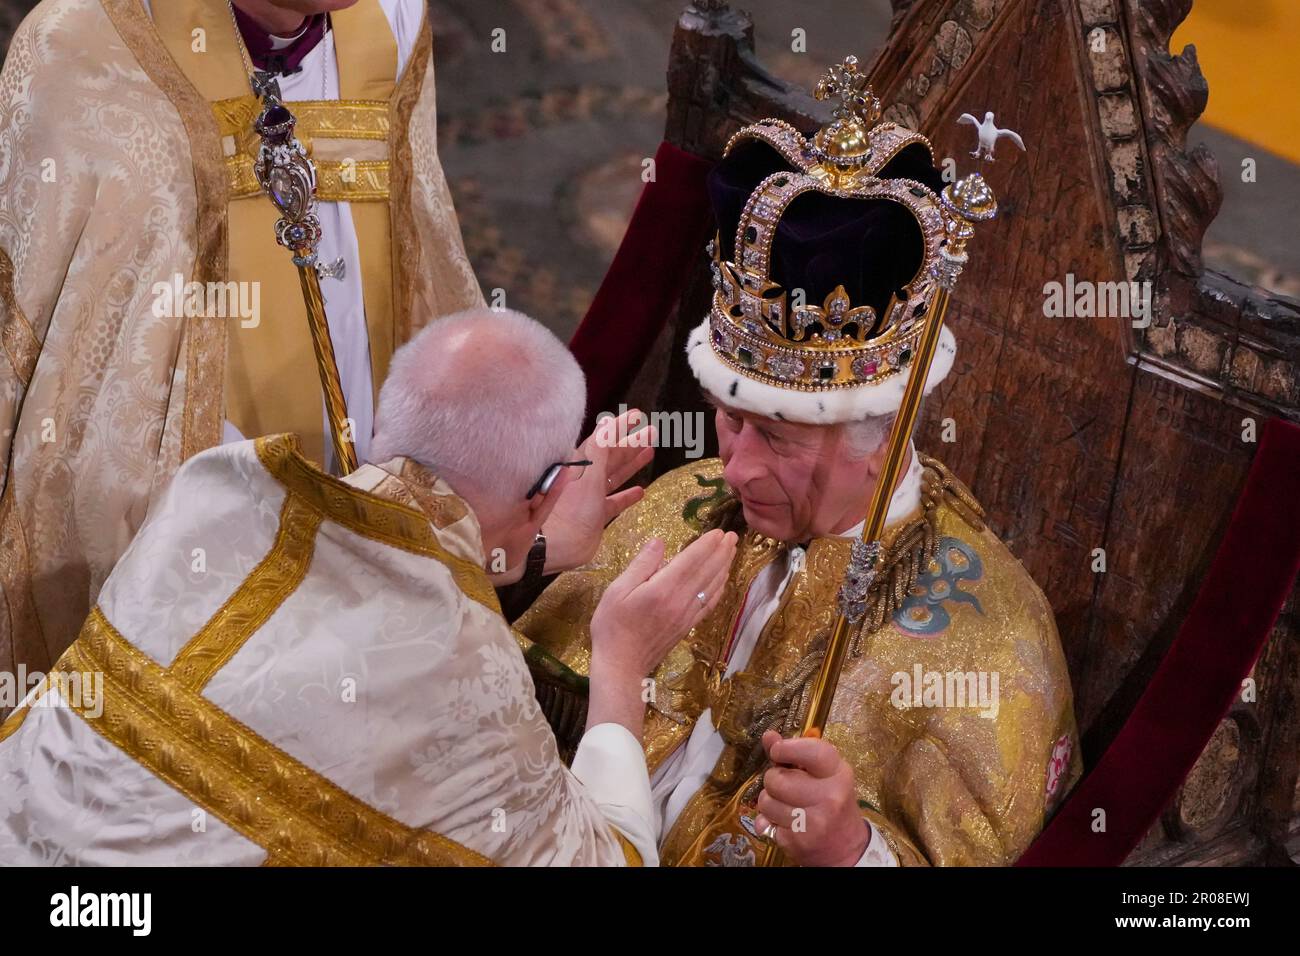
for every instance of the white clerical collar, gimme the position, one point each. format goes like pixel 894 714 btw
pixel 907 498
pixel 279 43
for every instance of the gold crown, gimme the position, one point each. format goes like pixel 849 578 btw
pixel 755 327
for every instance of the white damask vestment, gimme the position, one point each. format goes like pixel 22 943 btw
pixel 302 670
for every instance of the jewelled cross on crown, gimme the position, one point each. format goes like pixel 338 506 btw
pixel 857 102
pixel 844 145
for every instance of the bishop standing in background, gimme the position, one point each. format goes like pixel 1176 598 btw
pixel 146 312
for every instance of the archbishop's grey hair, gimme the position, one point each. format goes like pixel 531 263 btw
pixel 484 396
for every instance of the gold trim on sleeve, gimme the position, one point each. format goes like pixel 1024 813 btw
pixel 904 850
pixel 297 815
pixel 258 597
pixel 15 720
pixel 24 624
pixel 406 254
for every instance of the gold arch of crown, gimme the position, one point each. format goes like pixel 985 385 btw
pixel 834 344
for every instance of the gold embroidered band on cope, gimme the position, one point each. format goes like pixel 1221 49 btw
pixel 356 133
pixel 369 515
pixel 297 815
pixel 258 597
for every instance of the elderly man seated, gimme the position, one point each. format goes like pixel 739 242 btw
pixel 952 734
pixel 286 668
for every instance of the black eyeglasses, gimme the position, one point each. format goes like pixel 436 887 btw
pixel 545 482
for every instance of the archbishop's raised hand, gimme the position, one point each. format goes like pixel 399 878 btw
pixel 643 613
pixel 589 503
pixel 647 608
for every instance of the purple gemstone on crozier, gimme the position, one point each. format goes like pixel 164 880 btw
pixel 276 123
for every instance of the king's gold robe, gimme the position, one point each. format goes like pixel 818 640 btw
pixel 947 775
pixel 288 668
pixel 125 162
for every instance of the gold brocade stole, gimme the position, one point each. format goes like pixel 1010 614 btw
pixel 684 675
pixel 271 382
pixel 709 828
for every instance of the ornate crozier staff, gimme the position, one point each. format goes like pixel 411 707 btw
pixel 288 178
pixel 965 202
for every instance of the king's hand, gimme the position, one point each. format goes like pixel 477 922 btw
pixel 809 796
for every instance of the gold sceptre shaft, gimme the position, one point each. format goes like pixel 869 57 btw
pixel 967 201
pixel 288 177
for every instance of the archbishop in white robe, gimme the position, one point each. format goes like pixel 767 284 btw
pixel 288 668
